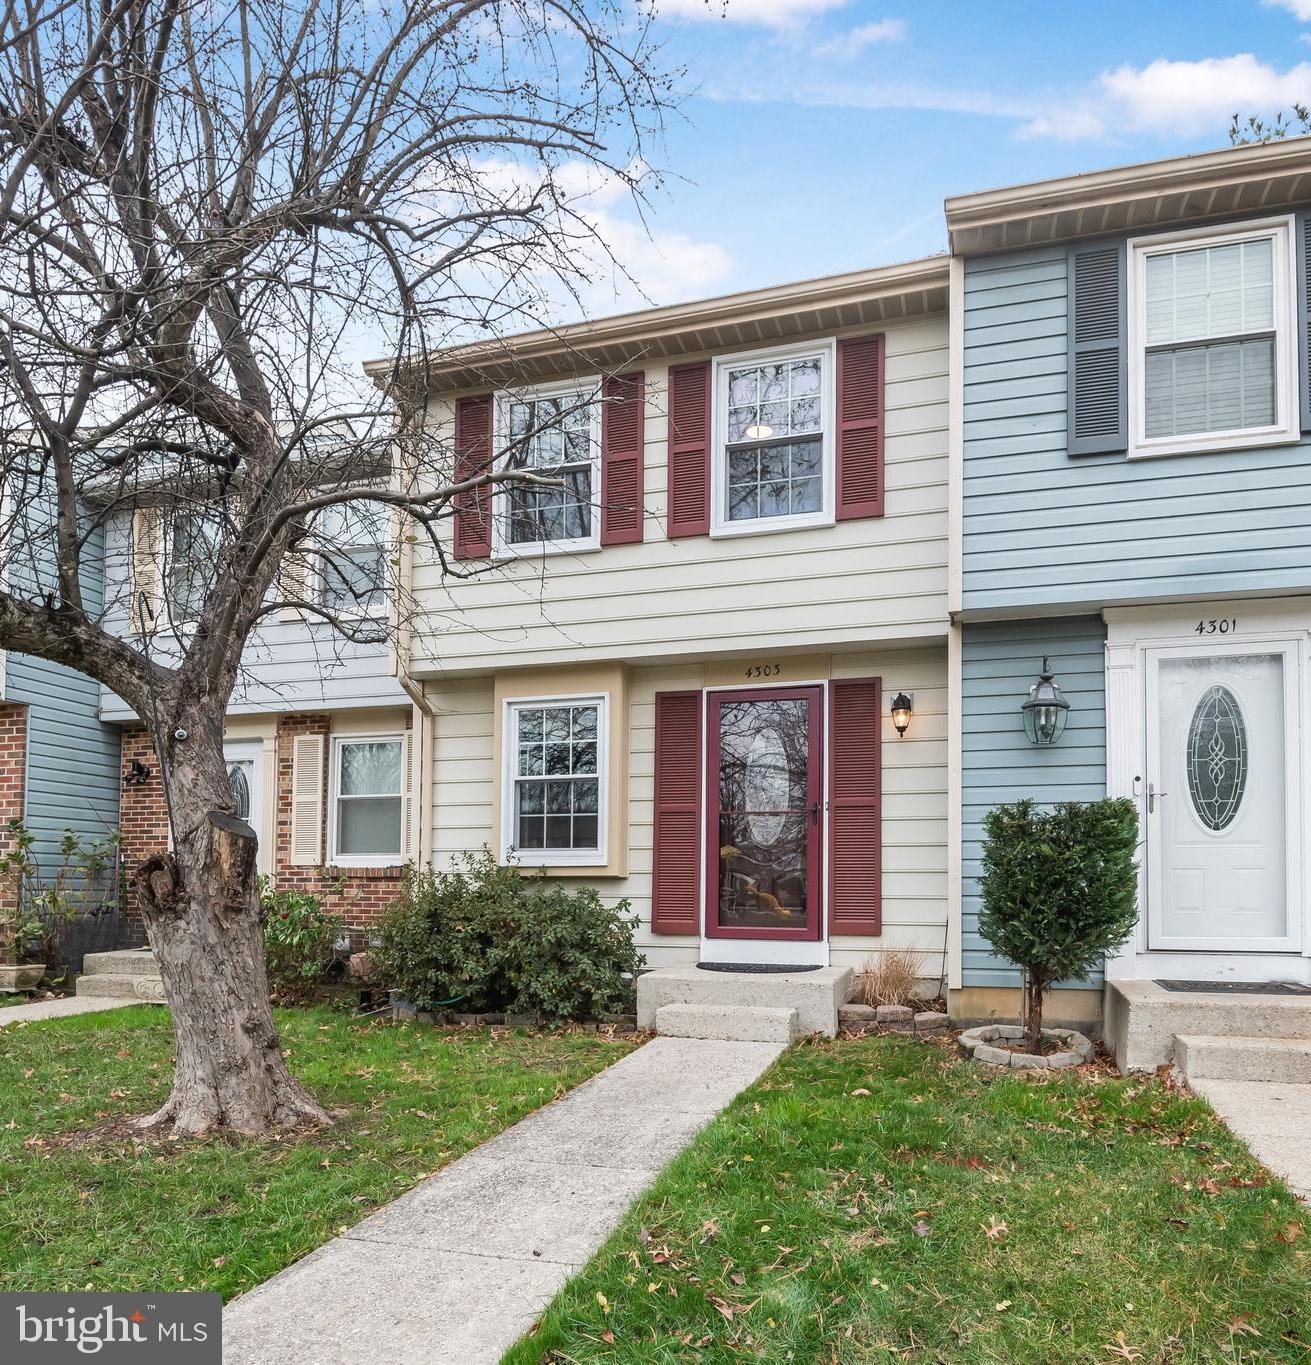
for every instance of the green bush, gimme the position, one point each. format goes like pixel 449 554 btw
pixel 299 940
pixel 489 938
pixel 1059 890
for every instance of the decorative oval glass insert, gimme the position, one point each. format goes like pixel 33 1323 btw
pixel 765 785
pixel 1217 758
pixel 240 784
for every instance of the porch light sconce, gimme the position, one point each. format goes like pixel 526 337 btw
pixel 1046 711
pixel 902 708
pixel 138 775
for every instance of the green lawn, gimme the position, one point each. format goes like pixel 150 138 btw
pixel 879 1200
pixel 225 1215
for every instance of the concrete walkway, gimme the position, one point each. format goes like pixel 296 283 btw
pixel 454 1272
pixel 1274 1119
pixel 60 1009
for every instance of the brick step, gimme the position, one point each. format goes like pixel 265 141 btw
pixel 1223 1057
pixel 122 986
pixel 121 962
pixel 740 1023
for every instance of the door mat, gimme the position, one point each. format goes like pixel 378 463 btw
pixel 759 968
pixel 1236 987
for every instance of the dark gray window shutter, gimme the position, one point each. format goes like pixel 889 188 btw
pixel 1098 354
pixel 1304 318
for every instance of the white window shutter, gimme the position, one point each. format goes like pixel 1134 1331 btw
pixel 293 584
pixel 146 568
pixel 409 764
pixel 307 800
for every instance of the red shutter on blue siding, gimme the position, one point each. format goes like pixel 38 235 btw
pixel 855 807
pixel 689 450
pixel 860 427
pixel 675 876
pixel 473 454
pixel 623 429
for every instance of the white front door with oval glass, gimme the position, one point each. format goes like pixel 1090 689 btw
pixel 1221 799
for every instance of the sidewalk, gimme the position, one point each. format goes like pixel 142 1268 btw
pixel 454 1272
pixel 1274 1119
pixel 60 1009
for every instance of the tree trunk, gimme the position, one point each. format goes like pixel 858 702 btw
pixel 201 908
pixel 1033 993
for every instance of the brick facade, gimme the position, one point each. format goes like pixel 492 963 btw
pixel 13 784
pixel 358 894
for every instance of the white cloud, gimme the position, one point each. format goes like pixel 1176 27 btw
pixel 854 41
pixel 768 13
pixel 1176 98
pixel 1299 9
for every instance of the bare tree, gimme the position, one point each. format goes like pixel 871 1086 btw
pixel 208 208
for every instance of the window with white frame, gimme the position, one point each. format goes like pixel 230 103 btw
pixel 774 466
pixel 352 557
pixel 367 799
pixel 194 540
pixel 555 435
pixel 555 780
pixel 1213 353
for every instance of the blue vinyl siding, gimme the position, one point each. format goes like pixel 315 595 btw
pixel 999 662
pixel 1042 529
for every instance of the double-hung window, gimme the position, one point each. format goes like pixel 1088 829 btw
pixel 194 540
pixel 555 765
pixel 1212 346
pixel 368 777
pixel 352 557
pixel 774 418
pixel 553 434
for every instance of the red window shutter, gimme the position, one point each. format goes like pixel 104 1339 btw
pixel 860 427
pixel 473 454
pixel 675 877
pixel 855 807
pixel 623 435
pixel 689 450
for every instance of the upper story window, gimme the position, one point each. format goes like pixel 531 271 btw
pixel 773 464
pixel 555 764
pixel 194 540
pixel 1211 340
pixel 352 558
pixel 554 433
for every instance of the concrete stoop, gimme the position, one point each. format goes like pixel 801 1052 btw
pixel 801 1002
pixel 738 1023
pixel 1228 1058
pixel 126 974
pixel 1142 1020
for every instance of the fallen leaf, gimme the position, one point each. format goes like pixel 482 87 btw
pixel 1122 1350
pixel 994 1229
pixel 861 1091
pixel 1240 1327
pixel 608 1337
pixel 603 1301
pixel 1290 1232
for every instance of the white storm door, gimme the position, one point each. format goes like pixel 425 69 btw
pixel 1221 803
pixel 245 761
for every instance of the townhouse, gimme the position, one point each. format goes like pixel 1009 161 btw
pixel 703 665
pixel 1133 522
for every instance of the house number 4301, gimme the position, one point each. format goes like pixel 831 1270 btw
pixel 1221 626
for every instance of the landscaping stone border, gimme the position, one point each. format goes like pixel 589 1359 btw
pixel 978 1043
pixel 891 1019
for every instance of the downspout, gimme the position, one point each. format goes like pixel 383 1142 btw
pixel 955 596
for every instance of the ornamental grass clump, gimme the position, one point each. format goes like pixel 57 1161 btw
pixel 1059 889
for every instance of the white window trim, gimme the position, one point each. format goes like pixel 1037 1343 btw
pixel 555 857
pixel 827 352
pixel 1287 428
pixel 505 549
pixel 318 568
pixel 336 859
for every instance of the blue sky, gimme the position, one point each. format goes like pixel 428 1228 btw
pixel 825 134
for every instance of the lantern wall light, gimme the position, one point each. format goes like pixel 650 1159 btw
pixel 1046 710
pixel 901 709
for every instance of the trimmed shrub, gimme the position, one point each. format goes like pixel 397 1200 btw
pixel 490 938
pixel 1059 890
pixel 300 940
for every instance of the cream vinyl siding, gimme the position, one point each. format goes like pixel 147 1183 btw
pixel 914 790
pixel 816 588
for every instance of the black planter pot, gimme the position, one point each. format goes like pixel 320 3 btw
pixel 71 937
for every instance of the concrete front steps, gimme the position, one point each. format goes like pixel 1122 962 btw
pixel 1142 1022
pixel 687 1002
pixel 1201 1056
pixel 129 973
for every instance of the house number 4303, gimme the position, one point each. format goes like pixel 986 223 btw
pixel 1221 626
pixel 763 671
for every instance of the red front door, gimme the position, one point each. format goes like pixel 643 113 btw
pixel 765 809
